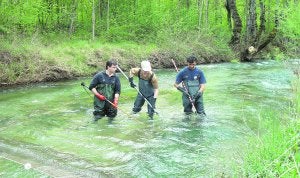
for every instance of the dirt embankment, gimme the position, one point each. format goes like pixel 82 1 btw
pixel 32 68
pixel 25 69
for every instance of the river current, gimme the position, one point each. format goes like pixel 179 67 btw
pixel 50 126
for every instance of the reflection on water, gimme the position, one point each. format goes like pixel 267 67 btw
pixel 50 126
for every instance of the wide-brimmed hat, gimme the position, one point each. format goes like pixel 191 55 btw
pixel 146 66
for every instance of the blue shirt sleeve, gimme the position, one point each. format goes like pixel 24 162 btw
pixel 179 76
pixel 186 74
pixel 202 79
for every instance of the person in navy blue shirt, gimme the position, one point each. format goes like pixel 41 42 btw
pixel 191 82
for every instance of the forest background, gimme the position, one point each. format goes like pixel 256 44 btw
pixel 50 40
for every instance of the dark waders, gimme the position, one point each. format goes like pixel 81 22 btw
pixel 193 87
pixel 102 108
pixel 147 90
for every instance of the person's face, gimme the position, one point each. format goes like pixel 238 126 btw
pixel 192 65
pixel 112 69
pixel 145 73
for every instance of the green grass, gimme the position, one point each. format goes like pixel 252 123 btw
pixel 275 150
pixel 38 58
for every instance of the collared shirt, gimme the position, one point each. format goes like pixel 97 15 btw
pixel 188 74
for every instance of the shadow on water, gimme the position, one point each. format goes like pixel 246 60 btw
pixel 51 127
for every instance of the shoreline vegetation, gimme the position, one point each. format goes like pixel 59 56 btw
pixel 274 151
pixel 29 60
pixel 26 60
pixel 42 41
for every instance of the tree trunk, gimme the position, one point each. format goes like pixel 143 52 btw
pixel 237 26
pixel 58 13
pixel 262 26
pixel 93 21
pixel 217 16
pixel 107 17
pixel 200 10
pixel 73 16
pixel 228 14
pixel 247 50
pixel 272 34
pixel 207 15
pixel 100 9
pixel 248 55
pixel 187 4
pixel 199 14
pixel 251 24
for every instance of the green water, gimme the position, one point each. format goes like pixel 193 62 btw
pixel 49 126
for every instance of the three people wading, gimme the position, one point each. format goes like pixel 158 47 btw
pixel 107 88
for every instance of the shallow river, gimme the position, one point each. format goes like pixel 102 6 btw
pixel 49 126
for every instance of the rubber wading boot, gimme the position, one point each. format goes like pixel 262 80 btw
pixel 150 116
pixel 97 117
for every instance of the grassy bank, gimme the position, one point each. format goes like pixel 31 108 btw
pixel 275 150
pixel 39 59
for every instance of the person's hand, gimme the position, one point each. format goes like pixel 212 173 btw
pixel 181 89
pixel 132 85
pixel 153 102
pixel 131 82
pixel 100 97
pixel 115 103
pixel 198 95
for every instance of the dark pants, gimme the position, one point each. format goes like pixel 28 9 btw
pixel 139 102
pixel 187 105
pixel 103 108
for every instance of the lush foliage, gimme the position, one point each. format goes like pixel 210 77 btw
pixel 37 35
pixel 134 20
pixel 275 152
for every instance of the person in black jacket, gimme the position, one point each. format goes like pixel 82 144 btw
pixel 106 87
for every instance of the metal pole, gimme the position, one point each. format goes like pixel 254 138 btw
pixel 85 87
pixel 138 90
pixel 187 92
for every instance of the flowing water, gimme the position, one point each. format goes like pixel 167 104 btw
pixel 50 126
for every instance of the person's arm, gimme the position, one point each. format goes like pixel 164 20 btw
pixel 155 85
pixel 117 92
pixel 178 79
pixel 117 88
pixel 94 82
pixel 202 82
pixel 93 85
pixel 98 95
pixel 155 93
pixel 202 88
pixel 94 91
pixel 133 72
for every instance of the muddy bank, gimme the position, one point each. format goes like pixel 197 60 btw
pixel 23 69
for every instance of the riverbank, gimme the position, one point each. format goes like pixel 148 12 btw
pixel 36 59
pixel 274 151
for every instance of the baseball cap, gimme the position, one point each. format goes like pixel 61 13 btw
pixel 146 66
